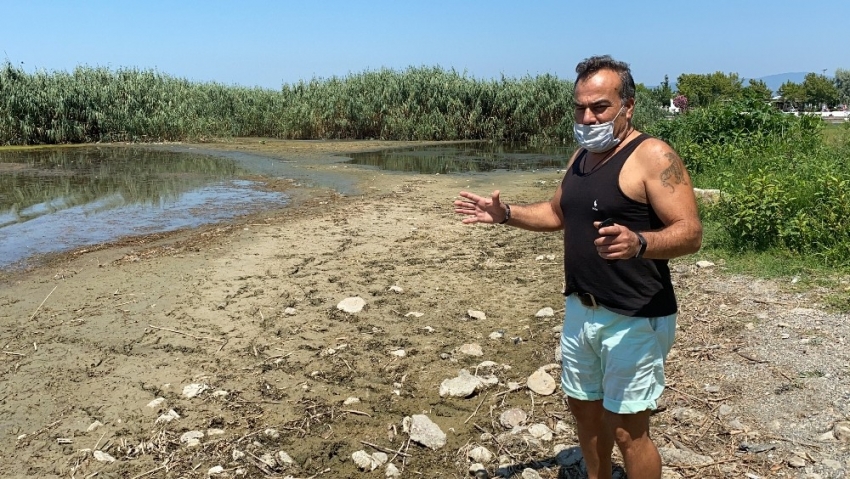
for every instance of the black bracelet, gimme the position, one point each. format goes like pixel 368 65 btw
pixel 507 214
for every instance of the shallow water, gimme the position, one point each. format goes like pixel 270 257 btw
pixel 53 200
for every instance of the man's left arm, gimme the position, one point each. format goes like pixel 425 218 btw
pixel 671 194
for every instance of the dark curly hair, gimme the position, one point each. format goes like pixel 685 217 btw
pixel 589 66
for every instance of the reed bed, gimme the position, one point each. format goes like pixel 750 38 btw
pixel 93 104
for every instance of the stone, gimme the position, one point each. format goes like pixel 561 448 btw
pixel 796 461
pixel 290 311
pixel 704 264
pixel 678 457
pixel 237 454
pixel 496 335
pixel 215 432
pixel 351 305
pixel 424 431
pixel 268 460
pixel 472 349
pixel 215 470
pixel 480 454
pixel 396 289
pixel 465 384
pixel 193 390
pixel 724 410
pixel 686 415
pixel 512 418
pixel 220 393
pixel 156 403
pixel 103 457
pixel 541 431
pixel 167 417
pixel 351 400
pixel 546 312
pixel 191 438
pixel 473 314
pixel 94 426
pixel 476 469
pixel 841 431
pixel 415 314
pixel 529 473
pixel 399 353
pixel 368 462
pixel 541 382
pixel 391 471
pixel 272 433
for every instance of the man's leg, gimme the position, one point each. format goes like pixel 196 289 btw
pixel 631 433
pixel 594 437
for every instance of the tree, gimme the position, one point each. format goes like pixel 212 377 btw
pixel 757 90
pixel 842 84
pixel 703 90
pixel 793 93
pixel 820 90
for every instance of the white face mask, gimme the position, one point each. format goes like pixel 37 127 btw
pixel 596 138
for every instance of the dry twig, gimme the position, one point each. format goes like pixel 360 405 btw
pixel 207 338
pixel 42 303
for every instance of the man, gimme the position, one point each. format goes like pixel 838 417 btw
pixel 619 319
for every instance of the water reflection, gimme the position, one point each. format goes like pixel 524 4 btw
pixel 56 199
pixel 466 158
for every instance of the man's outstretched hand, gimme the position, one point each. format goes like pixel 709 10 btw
pixel 479 209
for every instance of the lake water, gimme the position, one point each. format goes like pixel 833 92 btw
pixel 58 199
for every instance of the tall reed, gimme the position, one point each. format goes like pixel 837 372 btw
pixel 94 104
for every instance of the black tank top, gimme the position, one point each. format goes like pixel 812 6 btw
pixel 632 287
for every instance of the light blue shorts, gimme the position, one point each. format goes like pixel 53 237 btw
pixel 614 358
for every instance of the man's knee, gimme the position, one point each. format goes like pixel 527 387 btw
pixel 628 428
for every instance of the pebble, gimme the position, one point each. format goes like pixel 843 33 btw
pixel 237 454
pixel 103 457
pixel 193 390
pixel 541 382
pixel 428 329
pixel 396 289
pixel 686 415
pixel 399 353
pixel 475 469
pixel 473 314
pixel 512 418
pixel 711 389
pixel 480 454
pixel 351 400
pixel 215 470
pixel 272 433
pixel 94 426
pixel 215 432
pixel 465 384
pixel 472 349
pixel 796 461
pixel 284 459
pixel 351 305
pixel 529 473
pixel 704 264
pixel 156 403
pixel 424 431
pixel 392 471
pixel 167 417
pixel 546 312
pixel 290 311
pixel 841 431
pixel 191 438
pixel 496 335
pixel 220 393
pixel 415 314
pixel 541 431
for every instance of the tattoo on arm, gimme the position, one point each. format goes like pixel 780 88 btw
pixel 675 173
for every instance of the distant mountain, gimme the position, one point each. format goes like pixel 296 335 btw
pixel 775 81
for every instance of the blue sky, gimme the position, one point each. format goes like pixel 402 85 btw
pixel 268 43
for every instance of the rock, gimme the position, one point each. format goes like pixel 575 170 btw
pixel 512 418
pixel 363 460
pixel 193 390
pixel 415 314
pixel 191 438
pixel 396 289
pixel 496 335
pixel 428 329
pixel 540 431
pixel 686 415
pixel 156 403
pixel 215 470
pixel 724 410
pixel 473 314
pixel 392 471
pixel 472 349
pixel 424 431
pixel 529 473
pixel 841 431
pixel 465 384
pixel 399 353
pixel 215 432
pixel 351 305
pixel 220 393
pixel 103 457
pixel 284 459
pixel 272 433
pixel 678 457
pixel 563 429
pixel 351 400
pixel 94 426
pixel 546 312
pixel 704 264
pixel 796 461
pixel 290 311
pixel 480 454
pixel 268 460
pixel 167 417
pixel 237 454
pixel 476 469
pixel 711 389
pixel 541 382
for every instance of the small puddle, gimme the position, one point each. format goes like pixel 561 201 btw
pixel 466 158
pixel 53 200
